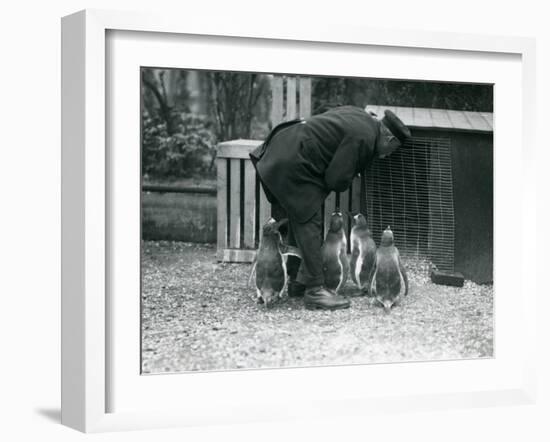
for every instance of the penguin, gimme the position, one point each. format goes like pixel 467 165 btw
pixel 334 254
pixel 363 253
pixel 389 281
pixel 270 263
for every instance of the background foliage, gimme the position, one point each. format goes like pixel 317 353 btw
pixel 363 91
pixel 181 148
pixel 186 113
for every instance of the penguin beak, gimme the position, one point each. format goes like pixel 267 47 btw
pixel 387 305
pixel 268 302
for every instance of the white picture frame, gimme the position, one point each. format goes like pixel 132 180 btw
pixel 86 204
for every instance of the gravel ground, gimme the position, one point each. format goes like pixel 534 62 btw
pixel 198 314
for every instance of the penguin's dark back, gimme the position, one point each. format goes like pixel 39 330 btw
pixel 269 251
pixel 331 246
pixel 336 222
pixel 270 274
pixel 362 232
pixel 270 267
pixel 387 272
pixel 268 254
pixel 335 237
pixel 360 220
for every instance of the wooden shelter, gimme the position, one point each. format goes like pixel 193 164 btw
pixel 452 158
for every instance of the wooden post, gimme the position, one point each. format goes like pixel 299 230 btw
pixel 290 98
pixel 305 97
pixel 222 207
pixel 363 192
pixel 330 205
pixel 264 209
pixel 344 207
pixel 249 205
pixel 276 100
pixel 235 204
pixel 356 195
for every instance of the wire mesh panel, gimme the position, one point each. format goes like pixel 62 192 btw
pixel 411 191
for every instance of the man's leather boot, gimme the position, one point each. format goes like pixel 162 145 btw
pixel 321 298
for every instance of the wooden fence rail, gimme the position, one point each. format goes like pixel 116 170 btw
pixel 175 188
pixel 241 202
pixel 243 207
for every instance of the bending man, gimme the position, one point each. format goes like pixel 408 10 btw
pixel 301 162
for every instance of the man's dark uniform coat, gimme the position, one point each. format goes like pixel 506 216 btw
pixel 301 162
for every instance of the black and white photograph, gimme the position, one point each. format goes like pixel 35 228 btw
pixel 303 221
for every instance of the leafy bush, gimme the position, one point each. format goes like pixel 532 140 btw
pixel 188 152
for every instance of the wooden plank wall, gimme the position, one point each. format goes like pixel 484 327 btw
pixel 249 219
pixel 242 206
pixel 277 99
pixel 235 204
pixel 221 164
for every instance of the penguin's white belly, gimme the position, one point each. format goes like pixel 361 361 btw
pixel 283 263
pixel 401 279
pixel 358 267
pixel 341 273
pixel 341 257
pixel 358 251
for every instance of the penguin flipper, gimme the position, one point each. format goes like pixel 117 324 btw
pixel 252 270
pixel 404 276
pixel 355 254
pixel 365 271
pixel 344 270
pixel 291 250
pixel 372 279
pixel 345 266
pixel 353 266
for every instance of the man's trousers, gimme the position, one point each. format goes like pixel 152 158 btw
pixel 308 238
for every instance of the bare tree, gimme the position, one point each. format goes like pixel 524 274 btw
pixel 234 96
pixel 163 86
